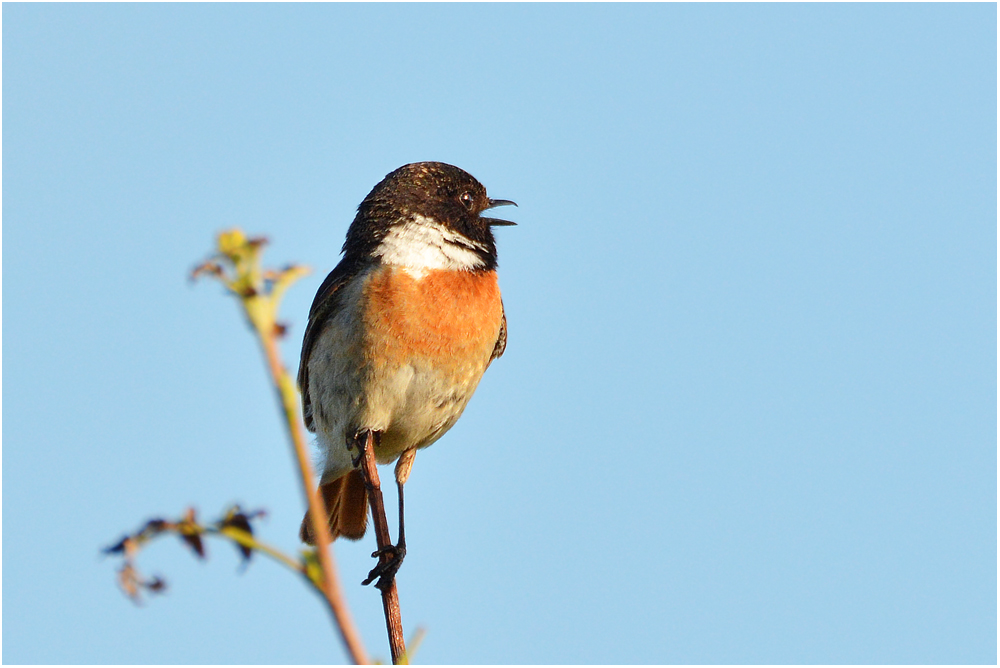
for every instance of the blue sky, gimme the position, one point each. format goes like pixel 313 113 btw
pixel 747 411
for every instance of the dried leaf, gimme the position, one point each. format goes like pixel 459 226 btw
pixel 128 580
pixel 117 548
pixel 193 541
pixel 240 521
pixel 157 585
pixel 155 525
pixel 211 267
pixel 237 519
pixel 190 532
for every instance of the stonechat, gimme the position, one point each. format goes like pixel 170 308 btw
pixel 401 331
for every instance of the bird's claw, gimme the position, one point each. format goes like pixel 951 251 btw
pixel 357 442
pixel 385 571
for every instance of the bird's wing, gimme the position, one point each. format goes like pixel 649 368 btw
pixel 501 343
pixel 324 306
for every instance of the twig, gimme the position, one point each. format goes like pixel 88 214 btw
pixel 390 597
pixel 235 526
pixel 260 293
pixel 331 584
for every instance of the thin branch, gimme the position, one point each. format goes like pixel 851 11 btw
pixel 260 294
pixel 331 583
pixel 390 597
pixel 247 540
pixel 235 526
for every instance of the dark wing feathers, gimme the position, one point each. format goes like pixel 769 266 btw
pixel 501 343
pixel 325 304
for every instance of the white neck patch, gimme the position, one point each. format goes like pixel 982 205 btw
pixel 423 243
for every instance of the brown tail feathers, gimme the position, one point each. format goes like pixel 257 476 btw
pixel 347 504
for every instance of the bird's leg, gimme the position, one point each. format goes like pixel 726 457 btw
pixel 391 556
pixel 359 441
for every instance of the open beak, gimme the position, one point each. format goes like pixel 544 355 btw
pixel 496 222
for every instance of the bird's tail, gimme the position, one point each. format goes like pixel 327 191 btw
pixel 347 504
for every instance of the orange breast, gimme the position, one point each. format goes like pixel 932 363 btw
pixel 451 318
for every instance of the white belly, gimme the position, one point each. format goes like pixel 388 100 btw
pixel 412 401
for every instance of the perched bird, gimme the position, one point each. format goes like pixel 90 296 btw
pixel 400 332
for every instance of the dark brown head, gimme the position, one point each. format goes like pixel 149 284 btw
pixel 426 212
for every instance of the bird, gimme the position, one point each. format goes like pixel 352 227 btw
pixel 400 334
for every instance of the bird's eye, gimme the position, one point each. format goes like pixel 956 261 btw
pixel 467 200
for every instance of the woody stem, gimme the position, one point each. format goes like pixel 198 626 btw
pixel 330 587
pixel 390 597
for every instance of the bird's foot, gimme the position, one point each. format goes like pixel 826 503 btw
pixel 358 443
pixel 385 571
